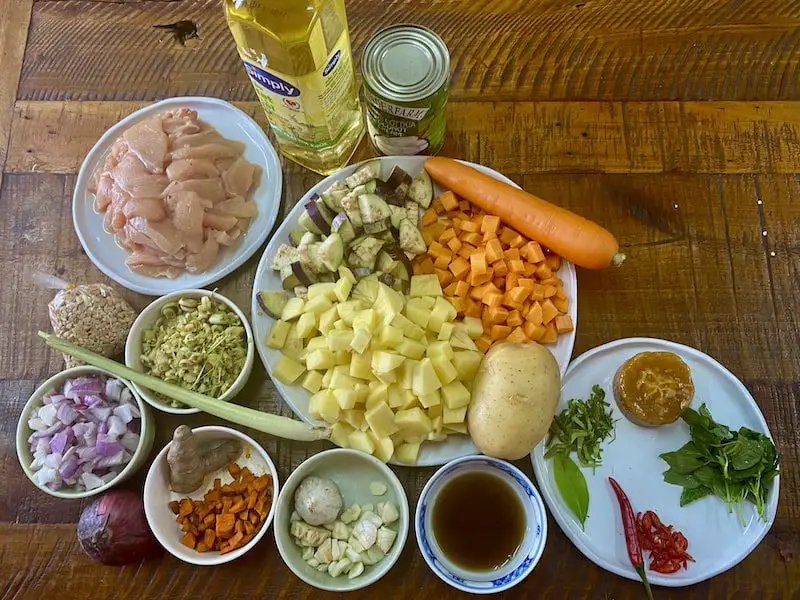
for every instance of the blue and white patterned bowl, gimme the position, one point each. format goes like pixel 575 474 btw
pixel 533 541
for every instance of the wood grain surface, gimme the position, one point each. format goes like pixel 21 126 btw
pixel 675 123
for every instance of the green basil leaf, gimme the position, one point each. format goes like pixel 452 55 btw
pixel 571 484
pixel 681 462
pixel 748 453
pixel 682 479
pixel 690 495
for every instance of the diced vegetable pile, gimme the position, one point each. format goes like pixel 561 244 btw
pixel 491 272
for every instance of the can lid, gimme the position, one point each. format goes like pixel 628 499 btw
pixel 405 63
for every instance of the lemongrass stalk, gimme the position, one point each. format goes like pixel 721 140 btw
pixel 278 426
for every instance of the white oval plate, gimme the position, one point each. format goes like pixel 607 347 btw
pixel 717 541
pixel 266 279
pixel 231 123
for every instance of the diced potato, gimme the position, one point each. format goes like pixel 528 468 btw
pixel 322 289
pixel 406 373
pixel 454 415
pixel 318 305
pixel 354 418
pixel 425 379
pixel 432 399
pixel 316 343
pixel 435 411
pixel 348 310
pixel 367 319
pixel 390 336
pixel 327 406
pixel 384 447
pixel 411 348
pixel 288 370
pixel 473 326
pixel 410 330
pixel 341 380
pixel 407 453
pixel 419 315
pixel 413 421
pixel 467 363
pixel 456 428
pixel 445 370
pixel 312 381
pixel 326 378
pixel 455 395
pixel 437 423
pixel 321 359
pixel 426 301
pixel 307 325
pixel 347 399
pixel 388 303
pixel 277 334
pixel 440 349
pixel 339 339
pixel 293 309
pixel 361 340
pixel 342 289
pixel 425 285
pixel 378 392
pixel 400 397
pixel 327 320
pixel 445 332
pixel 462 341
pixel 342 357
pixel 380 419
pixel 340 324
pixel 316 402
pixel 361 441
pixel 444 307
pixel 383 362
pixel 345 273
pixel 340 433
pixel 361 366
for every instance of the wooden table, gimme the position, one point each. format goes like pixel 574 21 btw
pixel 674 123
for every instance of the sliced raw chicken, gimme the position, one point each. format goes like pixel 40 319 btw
pixel 180 122
pixel 225 238
pixel 132 176
pixel 161 235
pixel 148 142
pixel 219 222
pixel 187 214
pixel 236 206
pixel 211 189
pixel 191 168
pixel 202 260
pixel 201 138
pixel 151 209
pixel 239 177
pixel 102 192
pixel 213 151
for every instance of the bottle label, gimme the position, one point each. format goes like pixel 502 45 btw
pixel 311 110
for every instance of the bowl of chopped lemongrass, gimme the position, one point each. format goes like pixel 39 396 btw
pixel 196 339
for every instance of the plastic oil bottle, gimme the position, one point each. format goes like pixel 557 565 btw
pixel 297 54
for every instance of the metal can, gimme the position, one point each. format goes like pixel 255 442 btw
pixel 406 72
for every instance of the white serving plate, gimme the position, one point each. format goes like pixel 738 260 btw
pixel 266 279
pixel 717 541
pixel 231 123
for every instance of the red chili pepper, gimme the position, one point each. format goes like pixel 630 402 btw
pixel 629 524
pixel 667 547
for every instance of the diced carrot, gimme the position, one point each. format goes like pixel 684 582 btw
pixel 534 252
pixel 442 261
pixel 496 315
pixel 512 280
pixel 466 250
pixel 553 261
pixel 437 205
pixel 436 249
pixel 450 290
pixel 478 291
pixel 464 205
pixel 489 236
pixel 426 267
pixel 458 303
pixel 447 234
pixel 494 251
pixel 543 271
pixel 454 244
pixel 499 282
pixel 517 336
pixel 472 238
pixel 490 224
pixel 560 293
pixel 478 263
pixel 500 268
pixel 526 283
pixel 429 217
pixel 459 268
pixel 560 303
pixel 554 281
pixel 469 227
pixel 427 236
pixel 462 288
pixel 564 324
pixel 512 254
pixel 517 242
pixel 550 335
pixel 479 279
pixel 493 299
pixel 515 319
pixel 549 312
pixel 549 291
pixel 189 540
pixel 533 331
pixel 512 303
pixel 484 342
pixel 537 292
pixel 529 270
pixel 449 200
pixel 499 332
pixel 519 293
pixel 437 229
pixel 507 234
pixel 456 225
pixel 516 266
pixel 472 308
pixel 478 220
pixel 534 314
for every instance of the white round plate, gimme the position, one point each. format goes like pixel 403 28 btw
pixel 717 540
pixel 296 397
pixel 232 124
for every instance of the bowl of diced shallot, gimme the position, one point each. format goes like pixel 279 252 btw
pixel 83 431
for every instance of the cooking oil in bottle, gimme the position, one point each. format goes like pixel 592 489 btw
pixel 297 54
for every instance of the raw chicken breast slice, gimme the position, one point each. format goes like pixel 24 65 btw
pixel 202 260
pixel 238 178
pixel 154 270
pixel 225 238
pixel 151 209
pixel 180 122
pixel 237 207
pixel 132 176
pixel 219 222
pixel 199 138
pixel 214 151
pixel 191 168
pixel 148 142
pixel 210 189
pixel 162 235
pixel 187 213
pixel 102 192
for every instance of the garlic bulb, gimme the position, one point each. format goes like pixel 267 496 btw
pixel 317 500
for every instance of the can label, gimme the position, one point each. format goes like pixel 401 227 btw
pixel 311 110
pixel 406 129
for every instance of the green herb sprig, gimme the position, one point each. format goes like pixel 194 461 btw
pixel 733 465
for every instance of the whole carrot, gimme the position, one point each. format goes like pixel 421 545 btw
pixel 577 239
pixel 631 534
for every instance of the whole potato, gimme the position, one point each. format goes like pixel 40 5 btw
pixel 514 398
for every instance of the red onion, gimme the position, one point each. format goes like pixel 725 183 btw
pixel 113 529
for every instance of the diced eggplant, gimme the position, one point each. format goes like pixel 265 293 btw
pixel 386 279
pixel 361 272
pixel 398 214
pixel 396 186
pixel 342 225
pixel 301 291
pixel 332 197
pixel 319 214
pixel 295 235
pixel 387 236
pixel 403 269
pixel 373 208
pixel 385 262
pixel 272 303
pixel 331 252
pixel 369 170
pixel 308 239
pixel 412 212
pixel 288 278
pixel 285 256
pixel 411 239
pixel 327 278
pixel 350 208
pixel 365 253
pixel 315 260
pixel 377 227
pixel 421 189
pixel 306 222
pixel 370 187
pixel 304 275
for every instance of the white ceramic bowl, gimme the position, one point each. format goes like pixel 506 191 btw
pixel 145 320
pixel 533 541
pixel 158 495
pixel 56 381
pixel 352 471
